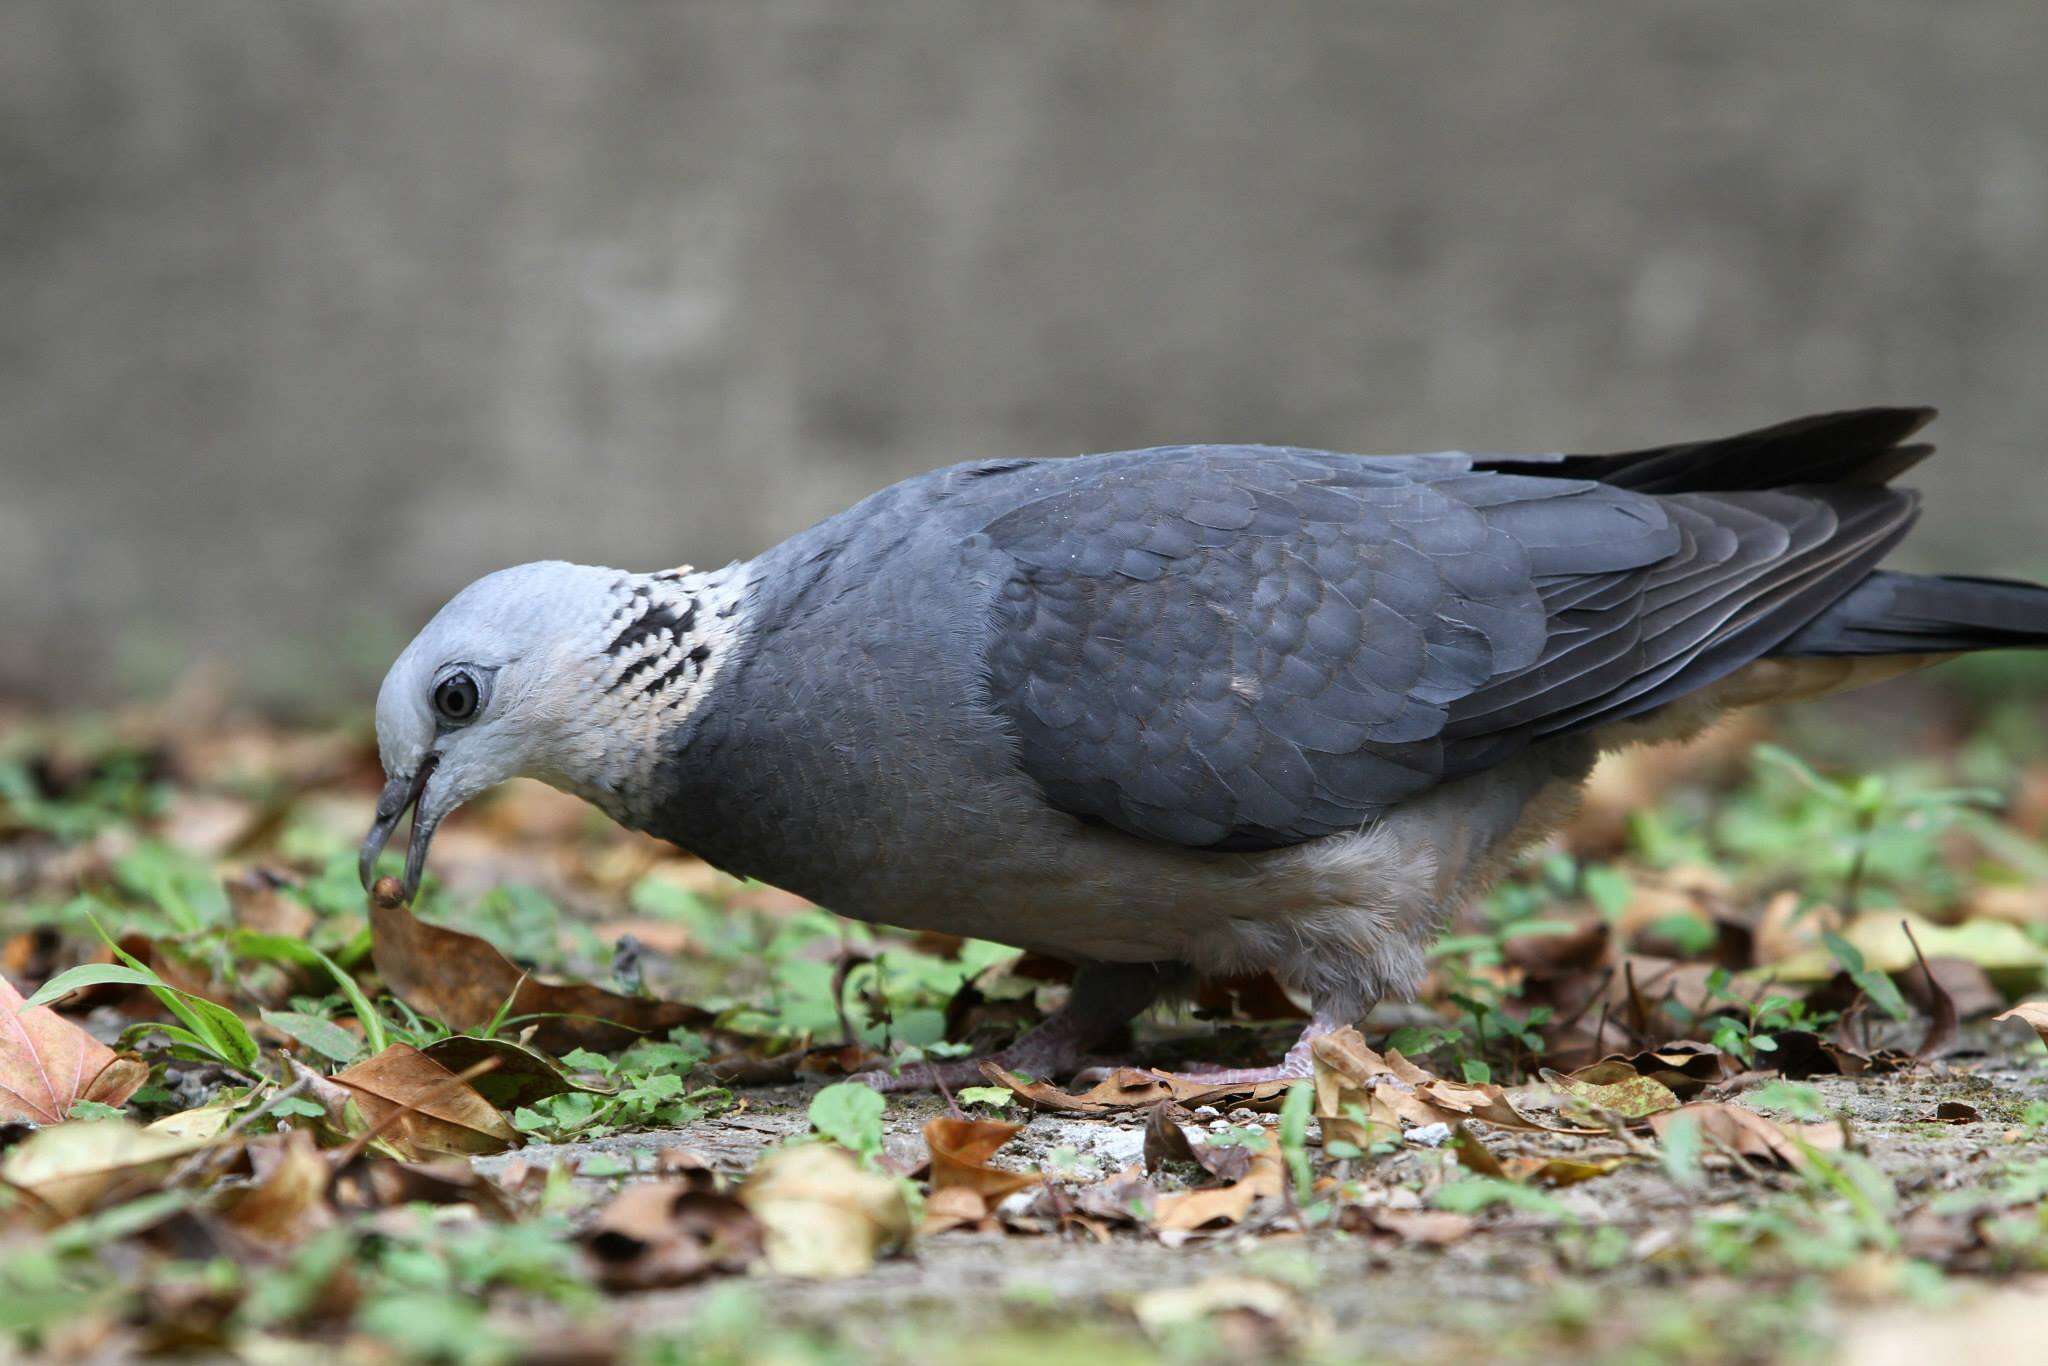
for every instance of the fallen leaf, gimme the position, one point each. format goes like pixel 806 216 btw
pixel 1682 1065
pixel 1127 1197
pixel 1631 1098
pixel 1185 1211
pixel 522 1076
pixel 48 1064
pixel 375 1185
pixel 1128 1088
pixel 2034 1013
pixel 1746 1134
pixel 1955 1112
pixel 465 982
pixel 1361 1096
pixel 1430 1227
pixel 960 1150
pixel 954 1207
pixel 823 1214
pixel 68 1168
pixel 661 1233
pixel 2002 950
pixel 1253 1318
pixel 1474 1156
pixel 288 1203
pixel 430 1109
pixel 1166 1141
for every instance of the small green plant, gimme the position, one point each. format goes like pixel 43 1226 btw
pixel 850 1114
pixel 651 1091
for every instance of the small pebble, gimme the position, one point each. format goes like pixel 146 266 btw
pixel 1206 1112
pixel 1429 1135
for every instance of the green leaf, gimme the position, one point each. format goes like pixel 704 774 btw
pixel 850 1114
pixel 278 948
pixel 324 1037
pixel 995 1097
pixel 1876 985
pixel 92 1109
pixel 91 975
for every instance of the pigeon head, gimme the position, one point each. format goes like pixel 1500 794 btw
pixel 506 681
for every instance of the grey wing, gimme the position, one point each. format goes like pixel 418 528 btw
pixel 1248 647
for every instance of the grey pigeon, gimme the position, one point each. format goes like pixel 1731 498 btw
pixel 1194 710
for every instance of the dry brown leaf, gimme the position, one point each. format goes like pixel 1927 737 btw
pixel 1128 1088
pixel 69 1167
pixel 1185 1211
pixel 1430 1227
pixel 823 1214
pixel 1252 1319
pixel 960 1150
pixel 464 982
pixel 289 1201
pixel 1127 1197
pixel 661 1233
pixel 375 1185
pixel 2034 1013
pixel 1746 1134
pixel 430 1109
pixel 1476 1157
pixel 1166 1141
pixel 1389 1091
pixel 954 1207
pixel 1633 1097
pixel 48 1064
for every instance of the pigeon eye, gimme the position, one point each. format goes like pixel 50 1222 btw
pixel 455 697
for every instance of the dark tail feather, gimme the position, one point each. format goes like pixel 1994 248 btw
pixel 1861 446
pixel 1914 614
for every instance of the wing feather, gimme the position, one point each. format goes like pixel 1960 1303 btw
pixel 1247 647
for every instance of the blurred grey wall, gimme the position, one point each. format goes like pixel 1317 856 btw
pixel 310 310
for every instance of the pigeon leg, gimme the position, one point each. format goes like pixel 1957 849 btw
pixel 1297 1064
pixel 1105 996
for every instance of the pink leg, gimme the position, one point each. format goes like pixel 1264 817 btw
pixel 1298 1062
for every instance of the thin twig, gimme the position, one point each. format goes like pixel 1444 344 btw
pixel 192 1165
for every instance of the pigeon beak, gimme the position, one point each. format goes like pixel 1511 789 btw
pixel 400 795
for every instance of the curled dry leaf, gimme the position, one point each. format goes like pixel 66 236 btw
pixel 69 1168
pixel 1476 1157
pixel 1362 1096
pixel 1185 1211
pixel 955 1207
pixel 1166 1141
pixel 521 1076
pixel 48 1064
pixel 1631 1097
pixel 464 982
pixel 661 1233
pixel 288 1203
pixel 1686 1068
pixel 1128 1088
pixel 960 1150
pixel 374 1184
pixel 824 1215
pixel 1750 1136
pixel 428 1109
pixel 2034 1013
pixel 1428 1227
pixel 1255 1319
